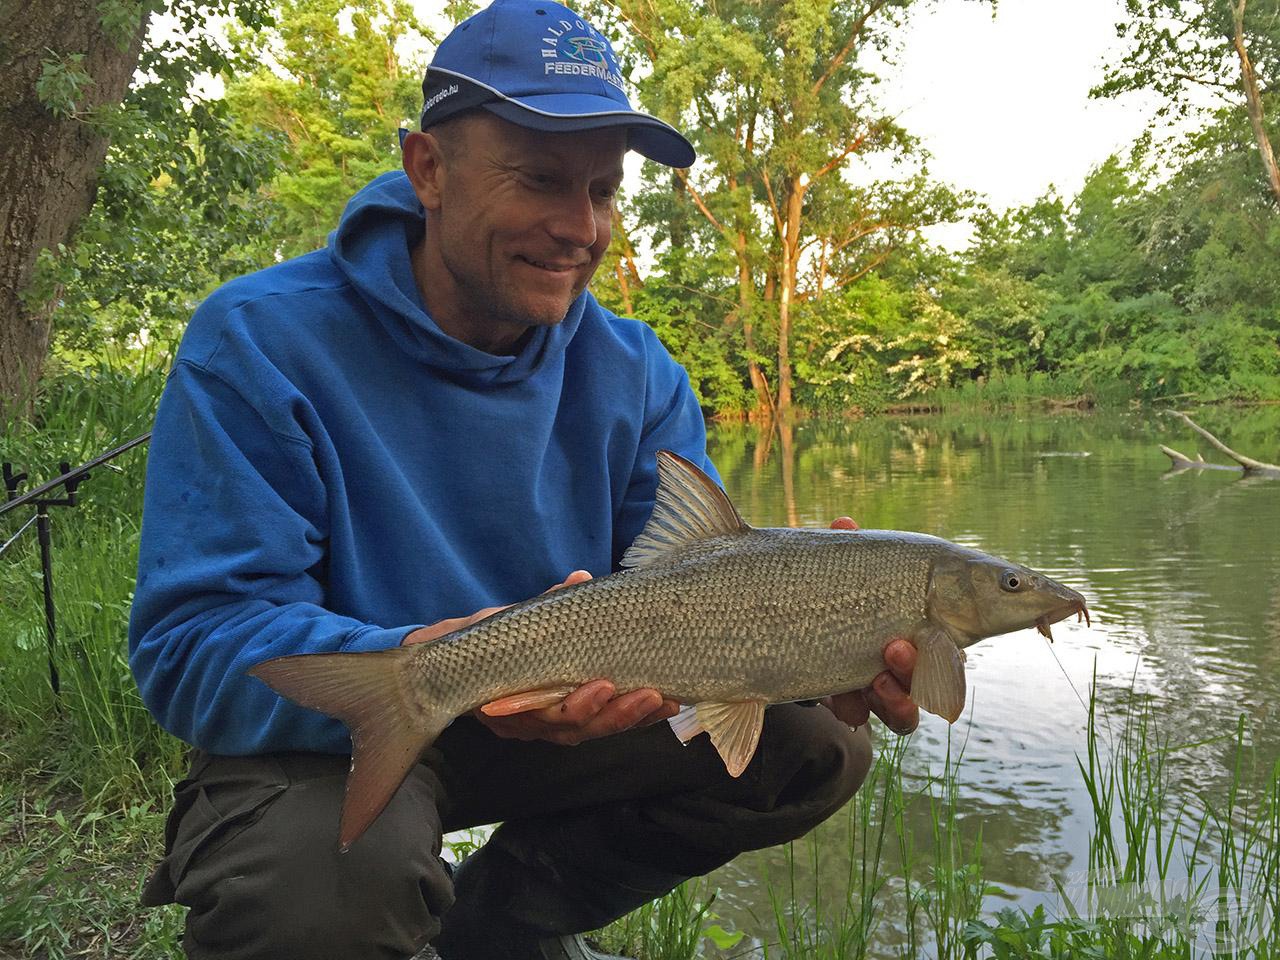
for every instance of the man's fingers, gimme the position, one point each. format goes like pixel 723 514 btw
pixel 589 712
pixel 578 576
pixel 627 711
pixel 900 657
pixel 892 704
pixel 444 627
pixel 578 707
pixel 851 708
pixel 668 710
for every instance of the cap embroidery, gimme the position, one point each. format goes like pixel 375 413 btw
pixel 586 52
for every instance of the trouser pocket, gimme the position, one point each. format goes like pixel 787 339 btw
pixel 198 826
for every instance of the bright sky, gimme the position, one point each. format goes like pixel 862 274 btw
pixel 1002 103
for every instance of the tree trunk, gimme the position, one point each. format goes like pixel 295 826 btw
pixel 787 291
pixel 746 299
pixel 1253 97
pixel 48 164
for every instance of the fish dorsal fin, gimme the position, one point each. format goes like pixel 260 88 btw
pixel 690 506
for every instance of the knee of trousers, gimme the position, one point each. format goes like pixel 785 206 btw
pixel 811 766
pixel 279 888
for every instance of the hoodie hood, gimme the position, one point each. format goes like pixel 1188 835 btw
pixel 371 249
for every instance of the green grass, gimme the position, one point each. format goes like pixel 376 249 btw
pixel 1169 878
pixel 111 750
pixel 85 778
pixel 1004 391
pixel 85 781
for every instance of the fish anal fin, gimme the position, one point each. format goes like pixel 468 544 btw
pixel 389 730
pixel 689 507
pixel 734 729
pixel 527 700
pixel 938 683
pixel 685 724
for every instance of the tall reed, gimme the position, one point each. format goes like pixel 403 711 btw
pixel 1167 877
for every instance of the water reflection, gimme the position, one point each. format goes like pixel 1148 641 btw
pixel 1182 573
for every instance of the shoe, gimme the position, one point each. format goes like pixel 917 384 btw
pixel 572 946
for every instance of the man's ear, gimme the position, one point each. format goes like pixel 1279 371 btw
pixel 424 161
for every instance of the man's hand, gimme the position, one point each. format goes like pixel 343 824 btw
pixel 888 695
pixel 593 710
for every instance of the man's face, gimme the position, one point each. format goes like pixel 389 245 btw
pixel 519 222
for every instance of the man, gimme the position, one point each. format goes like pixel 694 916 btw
pixel 377 443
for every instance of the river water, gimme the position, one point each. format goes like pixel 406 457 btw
pixel 1182 575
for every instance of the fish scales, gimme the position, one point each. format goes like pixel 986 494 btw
pixel 711 612
pixel 778 614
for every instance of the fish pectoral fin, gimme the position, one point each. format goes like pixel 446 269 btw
pixel 527 700
pixel 938 684
pixel 734 729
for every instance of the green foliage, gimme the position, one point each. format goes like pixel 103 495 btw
pixel 704 349
pixel 1177 46
pixel 1149 280
pixel 115 749
pixel 842 362
pixel 329 99
pixel 175 203
pixel 672 927
pixel 61 82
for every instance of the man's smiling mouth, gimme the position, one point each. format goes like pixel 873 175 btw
pixel 549 266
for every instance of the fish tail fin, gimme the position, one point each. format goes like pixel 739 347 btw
pixel 370 693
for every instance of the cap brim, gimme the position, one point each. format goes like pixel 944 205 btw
pixel 563 113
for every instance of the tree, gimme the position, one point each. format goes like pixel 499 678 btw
pixel 781 103
pixel 66 69
pixel 1228 47
pixel 60 62
pixel 330 95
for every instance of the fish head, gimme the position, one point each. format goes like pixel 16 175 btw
pixel 977 596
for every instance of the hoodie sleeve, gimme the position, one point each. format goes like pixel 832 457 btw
pixel 673 421
pixel 230 573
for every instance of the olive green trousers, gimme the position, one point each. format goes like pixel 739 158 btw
pixel 588 834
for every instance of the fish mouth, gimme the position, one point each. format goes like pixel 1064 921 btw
pixel 1075 606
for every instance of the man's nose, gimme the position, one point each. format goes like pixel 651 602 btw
pixel 574 220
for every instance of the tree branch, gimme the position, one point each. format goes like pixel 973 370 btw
pixel 840 57
pixel 1249 80
pixel 1250 465
pixel 773 203
pixel 835 161
pixel 697 199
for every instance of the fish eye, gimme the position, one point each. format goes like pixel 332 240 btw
pixel 1011 580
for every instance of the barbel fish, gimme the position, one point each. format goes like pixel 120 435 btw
pixel 718 615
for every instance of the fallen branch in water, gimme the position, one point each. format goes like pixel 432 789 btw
pixel 1247 464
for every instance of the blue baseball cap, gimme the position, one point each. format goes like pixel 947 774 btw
pixel 542 66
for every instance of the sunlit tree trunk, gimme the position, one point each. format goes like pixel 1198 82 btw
pixel 746 306
pixel 1253 97
pixel 787 291
pixel 48 163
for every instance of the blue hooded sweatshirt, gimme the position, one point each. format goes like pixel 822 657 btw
pixel 329 471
